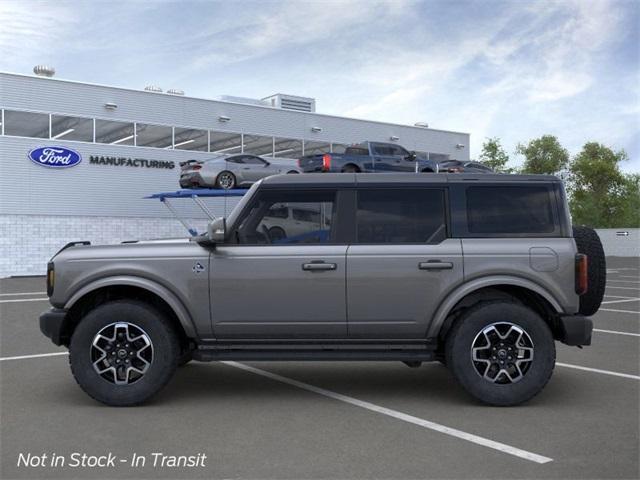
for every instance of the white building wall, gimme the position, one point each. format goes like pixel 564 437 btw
pixel 42 209
pixel 617 244
pixel 27 242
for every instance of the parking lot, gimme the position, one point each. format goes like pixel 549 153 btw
pixel 329 420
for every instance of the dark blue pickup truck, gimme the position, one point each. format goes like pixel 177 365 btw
pixel 368 157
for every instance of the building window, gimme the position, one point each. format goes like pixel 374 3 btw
pixel 157 136
pixel 71 128
pixel 225 142
pixel 26 124
pixel 287 148
pixel 190 139
pixel 114 133
pixel 315 148
pixel 258 145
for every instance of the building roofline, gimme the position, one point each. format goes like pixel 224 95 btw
pixel 231 103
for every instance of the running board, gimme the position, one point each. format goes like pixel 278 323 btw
pixel 313 353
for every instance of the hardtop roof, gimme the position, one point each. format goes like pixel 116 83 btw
pixel 358 179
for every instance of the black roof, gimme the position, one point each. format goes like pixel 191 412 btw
pixel 355 179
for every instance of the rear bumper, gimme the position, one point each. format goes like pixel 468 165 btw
pixel 191 180
pixel 53 325
pixel 575 330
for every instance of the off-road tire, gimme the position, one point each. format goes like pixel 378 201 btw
pixel 350 169
pixel 165 344
pixel 458 352
pixel 588 242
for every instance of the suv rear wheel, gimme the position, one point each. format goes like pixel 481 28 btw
pixel 502 353
pixel 123 352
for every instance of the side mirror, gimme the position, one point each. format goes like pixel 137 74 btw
pixel 216 230
pixel 412 156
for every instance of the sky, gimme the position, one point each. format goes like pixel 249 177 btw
pixel 514 70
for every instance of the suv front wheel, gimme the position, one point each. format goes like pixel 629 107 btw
pixel 502 353
pixel 123 352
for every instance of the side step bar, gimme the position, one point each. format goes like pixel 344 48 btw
pixel 341 353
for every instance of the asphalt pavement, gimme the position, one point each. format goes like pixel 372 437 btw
pixel 323 420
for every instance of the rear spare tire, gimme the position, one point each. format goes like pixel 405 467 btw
pixel 588 242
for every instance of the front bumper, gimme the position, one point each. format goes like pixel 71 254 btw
pixel 575 330
pixel 53 324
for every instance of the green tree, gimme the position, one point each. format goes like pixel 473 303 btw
pixel 543 155
pixel 601 195
pixel 494 156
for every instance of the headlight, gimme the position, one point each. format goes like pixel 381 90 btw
pixel 51 278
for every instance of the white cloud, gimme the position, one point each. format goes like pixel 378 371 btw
pixel 32 29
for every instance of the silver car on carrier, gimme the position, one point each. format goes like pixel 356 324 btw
pixel 231 171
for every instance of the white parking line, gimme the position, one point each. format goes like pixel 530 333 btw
pixel 623 281
pixel 39 355
pixel 621 301
pixel 597 370
pixel 616 332
pixel 628 276
pixel 22 293
pixel 637 289
pixel 16 300
pixel 617 311
pixel 485 442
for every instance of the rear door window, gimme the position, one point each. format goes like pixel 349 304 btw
pixel 510 210
pixel 401 216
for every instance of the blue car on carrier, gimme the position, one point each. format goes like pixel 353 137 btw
pixel 372 157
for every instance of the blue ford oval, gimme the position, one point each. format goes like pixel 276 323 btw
pixel 55 157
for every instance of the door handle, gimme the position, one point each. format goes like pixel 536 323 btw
pixel 435 265
pixel 319 266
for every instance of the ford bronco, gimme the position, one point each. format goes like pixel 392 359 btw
pixel 480 272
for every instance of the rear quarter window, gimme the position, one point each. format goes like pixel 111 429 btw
pixel 520 210
pixel 356 151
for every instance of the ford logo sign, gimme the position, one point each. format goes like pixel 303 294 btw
pixel 55 157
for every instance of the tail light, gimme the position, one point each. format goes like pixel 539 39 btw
pixel 51 277
pixel 582 279
pixel 326 162
pixel 299 163
pixel 196 167
pixel 454 170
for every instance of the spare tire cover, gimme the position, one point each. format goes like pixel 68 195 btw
pixel 588 242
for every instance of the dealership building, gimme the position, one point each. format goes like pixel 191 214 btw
pixel 129 144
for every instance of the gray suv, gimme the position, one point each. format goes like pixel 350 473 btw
pixel 479 272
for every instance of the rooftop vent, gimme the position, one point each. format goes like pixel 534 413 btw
pixel 244 100
pixel 291 102
pixel 44 71
pixel 175 91
pixel 421 124
pixel 153 88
